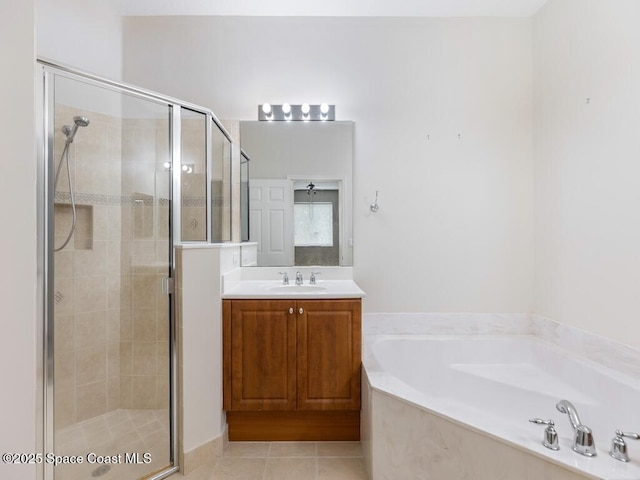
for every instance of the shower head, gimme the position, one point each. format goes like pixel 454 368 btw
pixel 81 121
pixel 70 132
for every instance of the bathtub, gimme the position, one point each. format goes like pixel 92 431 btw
pixel 451 407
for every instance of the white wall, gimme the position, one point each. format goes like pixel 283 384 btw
pixel 84 34
pixel 18 415
pixel 587 165
pixel 454 230
pixel 200 323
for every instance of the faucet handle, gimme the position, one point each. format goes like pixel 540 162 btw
pixel 550 439
pixel 619 446
pixel 312 277
pixel 285 278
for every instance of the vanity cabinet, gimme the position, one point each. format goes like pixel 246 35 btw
pixel 292 369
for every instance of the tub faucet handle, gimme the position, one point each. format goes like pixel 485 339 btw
pixel 619 446
pixel 550 439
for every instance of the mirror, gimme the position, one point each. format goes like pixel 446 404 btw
pixel 300 197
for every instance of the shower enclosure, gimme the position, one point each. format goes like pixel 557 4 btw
pixel 125 174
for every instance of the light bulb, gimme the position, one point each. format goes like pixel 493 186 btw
pixel 185 168
pixel 266 108
pixel 305 108
pixel 324 108
pixel 166 165
pixel 286 108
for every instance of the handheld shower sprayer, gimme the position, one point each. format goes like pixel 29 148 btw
pixel 70 133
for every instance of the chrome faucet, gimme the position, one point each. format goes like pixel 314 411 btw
pixel 312 278
pixel 298 278
pixel 583 442
pixel 285 278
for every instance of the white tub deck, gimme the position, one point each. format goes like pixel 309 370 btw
pixel 494 384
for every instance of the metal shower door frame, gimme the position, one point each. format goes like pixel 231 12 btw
pixel 46 72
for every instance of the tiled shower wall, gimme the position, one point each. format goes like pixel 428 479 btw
pixel 111 318
pixel 87 275
pixel 144 328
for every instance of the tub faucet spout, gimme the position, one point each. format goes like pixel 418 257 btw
pixel 583 443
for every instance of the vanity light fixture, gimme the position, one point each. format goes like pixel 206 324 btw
pixel 304 112
pixel 267 111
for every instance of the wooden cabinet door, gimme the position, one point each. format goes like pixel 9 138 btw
pixel 262 353
pixel 329 349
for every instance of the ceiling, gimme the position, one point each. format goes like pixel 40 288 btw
pixel 332 8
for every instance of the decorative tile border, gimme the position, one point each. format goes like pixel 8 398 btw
pixel 134 200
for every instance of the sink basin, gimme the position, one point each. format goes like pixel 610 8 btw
pixel 297 288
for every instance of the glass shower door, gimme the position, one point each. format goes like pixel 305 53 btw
pixel 110 254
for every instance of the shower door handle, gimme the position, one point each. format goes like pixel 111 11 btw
pixel 168 285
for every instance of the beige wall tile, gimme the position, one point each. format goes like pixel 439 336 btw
pixel 63 333
pixel 65 369
pixel 162 352
pixel 100 223
pixel 91 262
pixel 163 393
pixel 65 408
pixel 114 291
pixel 91 400
pixel 126 391
pixel 91 365
pixel 144 359
pixel 64 296
pixel 126 326
pixel 126 358
pixel 113 393
pixel 90 294
pixel 63 264
pixel 126 291
pixel 114 250
pixel 113 325
pixel 143 392
pixel 145 325
pixel 90 329
pixel 145 289
pixel 113 360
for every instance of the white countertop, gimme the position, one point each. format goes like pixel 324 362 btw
pixel 274 289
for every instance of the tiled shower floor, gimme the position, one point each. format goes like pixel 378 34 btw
pixel 137 431
pixel 286 461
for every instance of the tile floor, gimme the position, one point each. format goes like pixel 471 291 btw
pixel 286 461
pixel 138 431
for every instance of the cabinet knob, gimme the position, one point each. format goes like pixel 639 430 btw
pixel 301 311
pixel 291 311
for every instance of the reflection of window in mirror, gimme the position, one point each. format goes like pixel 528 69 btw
pixel 316 229
pixel 313 224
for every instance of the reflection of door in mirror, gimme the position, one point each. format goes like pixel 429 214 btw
pixel 270 221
